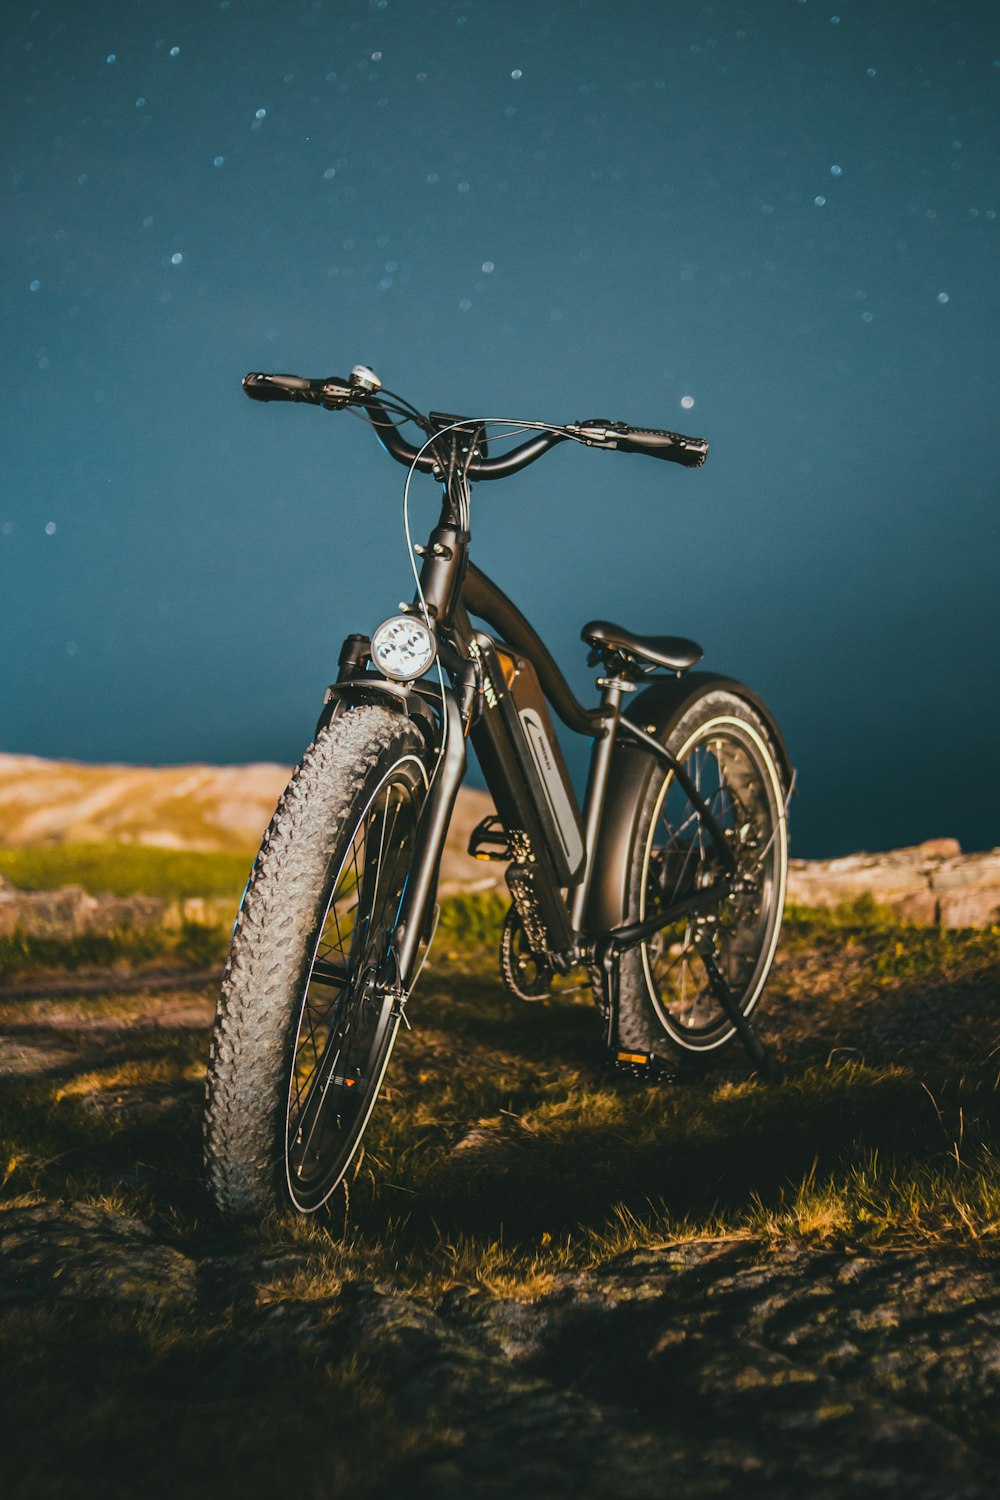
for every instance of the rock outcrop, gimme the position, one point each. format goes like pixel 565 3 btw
pixel 932 882
pixel 78 1252
pixel 71 911
pixel 701 1369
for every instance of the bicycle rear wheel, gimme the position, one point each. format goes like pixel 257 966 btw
pixel 724 746
pixel 305 1027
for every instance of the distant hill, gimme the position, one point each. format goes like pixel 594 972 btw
pixel 171 807
pixel 227 808
pixel 212 808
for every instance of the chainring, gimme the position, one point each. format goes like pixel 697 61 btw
pixel 527 975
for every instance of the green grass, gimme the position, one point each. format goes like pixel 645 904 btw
pixel 899 951
pixel 126 870
pixel 27 957
pixel 172 876
pixel 469 922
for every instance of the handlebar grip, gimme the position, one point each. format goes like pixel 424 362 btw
pixel 277 387
pixel 331 391
pixel 689 452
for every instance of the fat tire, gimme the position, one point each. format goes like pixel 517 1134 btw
pixel 641 1027
pixel 282 909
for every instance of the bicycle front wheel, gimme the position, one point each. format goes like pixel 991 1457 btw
pixel 304 1027
pixel 724 746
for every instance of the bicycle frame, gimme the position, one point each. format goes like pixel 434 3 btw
pixel 452 589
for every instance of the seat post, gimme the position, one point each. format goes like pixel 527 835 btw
pixel 612 689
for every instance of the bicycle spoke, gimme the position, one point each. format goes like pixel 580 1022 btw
pixel 324 972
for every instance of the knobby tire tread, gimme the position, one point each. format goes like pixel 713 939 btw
pixel 265 971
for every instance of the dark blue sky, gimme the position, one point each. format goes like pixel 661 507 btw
pixel 784 212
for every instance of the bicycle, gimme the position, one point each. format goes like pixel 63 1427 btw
pixel 666 888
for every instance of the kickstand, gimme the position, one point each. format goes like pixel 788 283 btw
pixel 760 1056
pixel 609 957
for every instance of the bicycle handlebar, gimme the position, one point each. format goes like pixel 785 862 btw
pixel 335 394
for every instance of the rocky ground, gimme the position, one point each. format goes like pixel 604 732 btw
pixel 701 1369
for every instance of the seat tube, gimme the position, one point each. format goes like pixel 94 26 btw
pixel 597 786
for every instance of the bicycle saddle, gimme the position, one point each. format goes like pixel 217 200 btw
pixel 674 652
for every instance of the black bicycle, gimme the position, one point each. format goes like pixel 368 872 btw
pixel 667 889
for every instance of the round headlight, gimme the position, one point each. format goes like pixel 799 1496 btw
pixel 402 648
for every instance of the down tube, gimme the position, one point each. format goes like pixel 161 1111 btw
pixel 506 778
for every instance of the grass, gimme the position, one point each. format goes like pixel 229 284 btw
pixel 172 876
pixel 27 956
pixel 885 1131
pixel 127 870
pixel 886 1125
pixel 898 951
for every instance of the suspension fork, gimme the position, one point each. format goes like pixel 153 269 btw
pixel 431 831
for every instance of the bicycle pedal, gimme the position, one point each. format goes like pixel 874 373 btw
pixel 488 840
pixel 645 1067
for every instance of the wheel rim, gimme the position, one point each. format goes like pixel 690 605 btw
pixel 346 1026
pixel 734 772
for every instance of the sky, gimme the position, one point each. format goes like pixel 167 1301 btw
pixel 770 224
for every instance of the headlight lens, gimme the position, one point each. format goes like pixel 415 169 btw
pixel 402 648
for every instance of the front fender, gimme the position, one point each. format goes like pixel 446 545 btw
pixel 657 710
pixel 370 689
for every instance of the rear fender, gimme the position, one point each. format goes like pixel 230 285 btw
pixel 657 710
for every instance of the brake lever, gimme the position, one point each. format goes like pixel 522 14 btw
pixel 361 384
pixel 335 395
pixel 598 432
